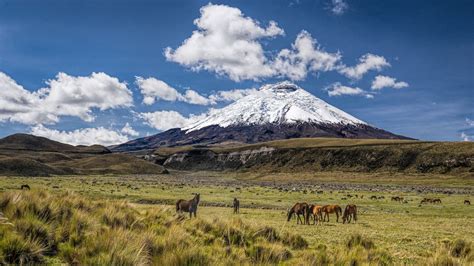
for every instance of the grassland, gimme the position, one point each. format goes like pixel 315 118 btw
pixel 386 233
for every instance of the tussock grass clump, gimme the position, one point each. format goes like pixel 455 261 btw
pixel 358 240
pixel 18 251
pixel 268 253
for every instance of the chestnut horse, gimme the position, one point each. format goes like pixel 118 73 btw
pixel 188 205
pixel 349 212
pixel 299 209
pixel 316 212
pixel 327 209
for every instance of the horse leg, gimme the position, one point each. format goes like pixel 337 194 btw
pixel 337 217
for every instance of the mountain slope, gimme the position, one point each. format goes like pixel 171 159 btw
pixel 277 111
pixel 281 103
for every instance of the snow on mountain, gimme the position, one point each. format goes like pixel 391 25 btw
pixel 280 103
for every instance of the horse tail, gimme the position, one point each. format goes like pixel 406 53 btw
pixel 177 205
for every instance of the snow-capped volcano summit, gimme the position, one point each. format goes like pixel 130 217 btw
pixel 275 111
pixel 280 103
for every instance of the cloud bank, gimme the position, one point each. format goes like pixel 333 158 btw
pixel 64 96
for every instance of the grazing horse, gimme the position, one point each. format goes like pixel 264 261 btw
pixel 299 209
pixel 373 197
pixel 397 198
pixel 349 212
pixel 236 205
pixel 467 202
pixel 25 187
pixel 327 209
pixel 188 205
pixel 436 201
pixel 316 212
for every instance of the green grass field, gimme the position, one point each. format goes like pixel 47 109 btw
pixel 407 233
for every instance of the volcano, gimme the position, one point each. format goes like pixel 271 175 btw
pixel 276 111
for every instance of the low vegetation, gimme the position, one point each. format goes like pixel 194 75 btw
pixel 38 227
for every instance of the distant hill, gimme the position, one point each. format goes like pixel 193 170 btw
pixel 325 154
pixel 29 155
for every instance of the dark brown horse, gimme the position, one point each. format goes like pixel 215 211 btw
pixel 236 205
pixel 299 209
pixel 25 187
pixel 316 212
pixel 327 209
pixel 188 205
pixel 349 212
pixel 467 202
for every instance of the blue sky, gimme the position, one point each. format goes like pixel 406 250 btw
pixel 422 51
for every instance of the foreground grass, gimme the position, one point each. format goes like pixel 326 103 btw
pixel 39 227
pixel 101 214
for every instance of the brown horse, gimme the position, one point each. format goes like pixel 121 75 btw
pixel 236 205
pixel 316 212
pixel 349 212
pixel 436 201
pixel 397 198
pixel 327 209
pixel 188 205
pixel 27 187
pixel 299 209
pixel 467 202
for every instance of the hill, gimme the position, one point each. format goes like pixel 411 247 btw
pixel 28 155
pixel 325 154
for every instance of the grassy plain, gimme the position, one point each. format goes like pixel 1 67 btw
pixel 402 233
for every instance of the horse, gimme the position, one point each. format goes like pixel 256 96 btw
pixel 188 205
pixel 436 201
pixel 316 212
pixel 373 197
pixel 236 205
pixel 467 202
pixel 299 209
pixel 25 187
pixel 397 198
pixel 425 200
pixel 327 209
pixel 349 212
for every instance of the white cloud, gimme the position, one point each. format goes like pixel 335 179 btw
pixel 466 137
pixel 469 122
pixel 84 136
pixel 226 42
pixel 231 95
pixel 305 56
pixel 339 7
pixel 154 89
pixel 366 63
pixel 164 120
pixel 337 89
pixel 65 96
pixel 128 130
pixel 387 82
